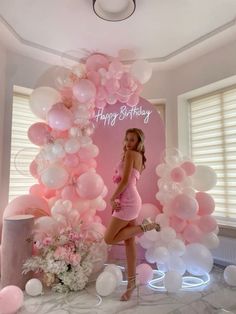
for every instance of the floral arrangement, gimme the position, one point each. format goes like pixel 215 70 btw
pixel 65 260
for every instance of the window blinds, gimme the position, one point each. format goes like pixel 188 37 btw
pixel 22 150
pixel 213 143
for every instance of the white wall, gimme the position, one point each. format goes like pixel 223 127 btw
pixel 204 70
pixel 2 107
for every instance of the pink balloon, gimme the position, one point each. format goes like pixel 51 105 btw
pixel 207 224
pixel 59 117
pixel 184 206
pixel 84 91
pixel 96 61
pixel 94 77
pixel 206 203
pixel 133 100
pixel 100 104
pixel 177 174
pixel 27 204
pixel 116 68
pixel 37 190
pixel 39 133
pixel 92 163
pixel 101 93
pixel 71 160
pixel 69 193
pixel 33 168
pixel 89 185
pixel 148 211
pixel 192 233
pixel 11 299
pixel 81 168
pixel 177 223
pixel 188 167
pixel 112 85
pixel 144 273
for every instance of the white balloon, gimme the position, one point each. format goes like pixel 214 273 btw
pixel 54 177
pixel 72 146
pixel 34 287
pixel 42 99
pixel 168 234
pixel 145 243
pixel 177 247
pixel 210 240
pixel 115 270
pixel 172 281
pixel 198 259
pixel 149 255
pixel 161 254
pixel 162 220
pixel 106 283
pixel 177 264
pixel 204 178
pixel 152 235
pixel 230 275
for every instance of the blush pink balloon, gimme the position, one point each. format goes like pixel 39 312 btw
pixel 89 185
pixel 101 93
pixel 25 205
pixel 39 133
pixel 81 168
pixel 188 167
pixel 184 206
pixel 206 203
pixel 84 91
pixel 177 174
pixel 112 85
pixel 133 100
pixel 59 117
pixel 69 193
pixel 33 168
pixel 207 223
pixel 71 160
pixel 94 77
pixel 96 61
pixel 177 223
pixel 37 190
pixel 116 68
pixel 11 299
pixel 100 104
pixel 148 210
pixel 144 273
pixel 192 233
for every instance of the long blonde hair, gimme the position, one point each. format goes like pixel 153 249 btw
pixel 140 147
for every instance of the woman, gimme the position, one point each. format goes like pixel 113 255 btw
pixel 126 204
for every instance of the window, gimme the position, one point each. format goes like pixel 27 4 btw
pixel 212 141
pixel 22 150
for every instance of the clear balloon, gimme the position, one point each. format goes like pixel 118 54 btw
pixel 42 99
pixel 141 70
pixel 230 275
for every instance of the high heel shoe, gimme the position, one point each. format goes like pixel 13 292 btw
pixel 148 225
pixel 128 293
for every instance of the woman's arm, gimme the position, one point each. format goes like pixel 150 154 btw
pixel 128 165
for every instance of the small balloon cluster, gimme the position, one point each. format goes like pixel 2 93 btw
pixel 112 277
pixel 188 228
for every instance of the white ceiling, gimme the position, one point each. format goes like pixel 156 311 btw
pixel 161 31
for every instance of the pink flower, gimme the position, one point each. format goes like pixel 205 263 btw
pixel 75 259
pixel 60 253
pixel 47 241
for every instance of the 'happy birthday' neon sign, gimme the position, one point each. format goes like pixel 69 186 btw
pixel 110 118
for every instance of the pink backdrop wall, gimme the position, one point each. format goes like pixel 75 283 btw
pixel 111 125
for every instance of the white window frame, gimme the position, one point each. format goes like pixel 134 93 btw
pixel 184 125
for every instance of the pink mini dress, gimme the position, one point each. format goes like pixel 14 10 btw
pixel 130 200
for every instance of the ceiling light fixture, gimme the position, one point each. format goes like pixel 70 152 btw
pixel 114 10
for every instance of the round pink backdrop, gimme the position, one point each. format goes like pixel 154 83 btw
pixel 111 124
